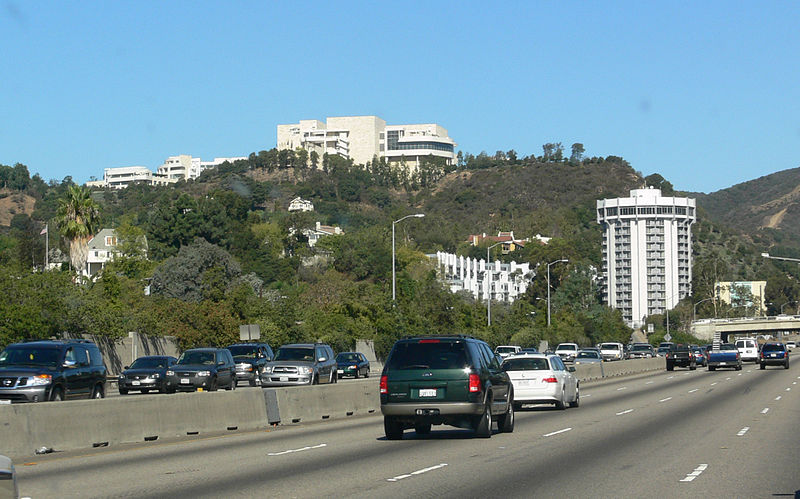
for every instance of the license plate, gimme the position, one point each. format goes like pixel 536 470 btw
pixel 340 371
pixel 524 382
pixel 184 381
pixel 722 363
pixel 137 383
pixel 774 354
pixel 5 402
pixel 427 392
pixel 284 378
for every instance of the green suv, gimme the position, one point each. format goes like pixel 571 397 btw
pixel 453 380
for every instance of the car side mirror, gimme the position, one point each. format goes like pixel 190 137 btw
pixel 322 359
pixel 70 363
pixel 571 369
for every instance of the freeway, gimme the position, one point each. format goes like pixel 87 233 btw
pixel 673 434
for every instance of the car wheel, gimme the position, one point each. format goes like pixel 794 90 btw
pixel 169 390
pixel 483 426
pixel 711 368
pixel 392 428
pixel 97 392
pixel 123 391
pixel 739 367
pixel 517 406
pixel 366 373
pixel 253 382
pixel 763 366
pixel 57 395
pixel 213 386
pixel 145 390
pixel 422 428
pixel 233 385
pixel 786 365
pixel 356 375
pixel 315 380
pixel 505 423
pixel 692 368
pixel 577 401
pixel 670 367
pixel 561 404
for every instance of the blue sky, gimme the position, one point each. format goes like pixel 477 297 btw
pixel 705 93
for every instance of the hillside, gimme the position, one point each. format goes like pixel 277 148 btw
pixel 13 203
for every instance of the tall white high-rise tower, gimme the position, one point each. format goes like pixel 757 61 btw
pixel 647 252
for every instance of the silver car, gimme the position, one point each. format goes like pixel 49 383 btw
pixel 301 364
pixel 8 479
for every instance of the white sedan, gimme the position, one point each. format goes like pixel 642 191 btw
pixel 542 379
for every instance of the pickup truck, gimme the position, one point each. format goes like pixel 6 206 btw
pixel 680 355
pixel 727 356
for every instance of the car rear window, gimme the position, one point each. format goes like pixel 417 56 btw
pixel 772 348
pixel 567 347
pixel 609 346
pixel 535 364
pixel 414 355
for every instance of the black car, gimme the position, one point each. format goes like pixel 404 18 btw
pixel 145 374
pixel 250 360
pixel 352 364
pixel 453 380
pixel 680 355
pixel 640 351
pixel 773 354
pixel 202 369
pixel 37 371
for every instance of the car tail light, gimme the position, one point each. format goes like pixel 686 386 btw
pixel 474 383
pixel 384 384
pixel 429 341
pixel 549 380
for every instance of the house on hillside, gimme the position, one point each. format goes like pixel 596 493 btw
pixel 320 231
pixel 300 204
pixel 510 243
pixel 103 247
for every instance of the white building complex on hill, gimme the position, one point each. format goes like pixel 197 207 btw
pixel 361 138
pixel 508 280
pixel 172 170
pixel 647 252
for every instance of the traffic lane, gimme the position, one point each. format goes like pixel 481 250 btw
pixel 354 459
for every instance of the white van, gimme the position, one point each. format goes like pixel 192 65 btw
pixel 612 351
pixel 748 349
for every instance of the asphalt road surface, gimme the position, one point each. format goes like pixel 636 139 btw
pixel 666 434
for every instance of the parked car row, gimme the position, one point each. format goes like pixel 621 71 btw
pixel 459 381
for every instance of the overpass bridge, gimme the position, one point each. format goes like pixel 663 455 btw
pixel 777 326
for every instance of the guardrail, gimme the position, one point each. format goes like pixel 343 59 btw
pixel 81 424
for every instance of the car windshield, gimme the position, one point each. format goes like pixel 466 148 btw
pixel 29 356
pixel 567 347
pixel 609 346
pixel 248 351
pixel 505 349
pixel 772 347
pixel 588 355
pixel 523 364
pixel 347 357
pixel 419 355
pixel 295 353
pixel 640 347
pixel 205 358
pixel 149 363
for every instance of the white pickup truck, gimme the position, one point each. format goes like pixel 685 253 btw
pixel 612 351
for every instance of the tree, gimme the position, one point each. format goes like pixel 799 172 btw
pixel 657 181
pixel 78 218
pixel 577 153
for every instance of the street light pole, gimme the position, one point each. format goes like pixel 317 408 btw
pixel 394 272
pixel 788 302
pixel 548 286
pixel 489 286
pixel 694 312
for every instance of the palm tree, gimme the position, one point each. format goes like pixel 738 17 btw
pixel 78 218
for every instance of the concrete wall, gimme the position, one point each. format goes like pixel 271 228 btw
pixel 122 352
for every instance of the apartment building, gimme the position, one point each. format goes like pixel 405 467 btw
pixel 500 281
pixel 746 294
pixel 123 176
pixel 362 138
pixel 647 252
pixel 184 166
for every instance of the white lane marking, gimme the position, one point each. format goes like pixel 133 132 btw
pixel 418 472
pixel 788 389
pixel 692 391
pixel 743 431
pixel 749 370
pixel 623 388
pixel 297 450
pixel 765 410
pixel 670 377
pixel 739 374
pixel 727 379
pixel 584 395
pixel 694 474
pixel 778 397
pixel 664 400
pixel 624 412
pixel 556 432
pixel 714 383
pixel 649 383
pixel 794 382
pixel 686 373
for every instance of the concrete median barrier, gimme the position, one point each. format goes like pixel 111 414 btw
pixel 632 366
pixel 305 404
pixel 82 424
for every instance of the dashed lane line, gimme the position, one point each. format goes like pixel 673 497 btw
pixel 625 412
pixel 743 431
pixel 664 400
pixel 692 391
pixel 765 410
pixel 778 397
pixel 623 388
pixel 418 472
pixel 694 474
pixel 649 383
pixel 714 383
pixel 556 432
pixel 297 450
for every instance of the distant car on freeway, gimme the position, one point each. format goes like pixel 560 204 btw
pixel 202 368
pixel 682 356
pixel 774 354
pixel 352 364
pixel 727 355
pixel 662 351
pixel 699 356
pixel 790 345
pixel 588 357
pixel 748 349
pixel 250 359
pixel 506 350
pixel 542 379
pixel 641 351
pixel 145 374
pixel 612 351
pixel 567 351
pixel 37 371
pixel 301 364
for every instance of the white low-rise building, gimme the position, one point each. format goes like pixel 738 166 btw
pixel 123 176
pixel 503 281
pixel 300 204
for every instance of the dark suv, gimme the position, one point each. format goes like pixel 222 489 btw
pixel 51 370
pixel 453 380
pixel 773 354
pixel 301 364
pixel 681 356
pixel 250 360
pixel 202 368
